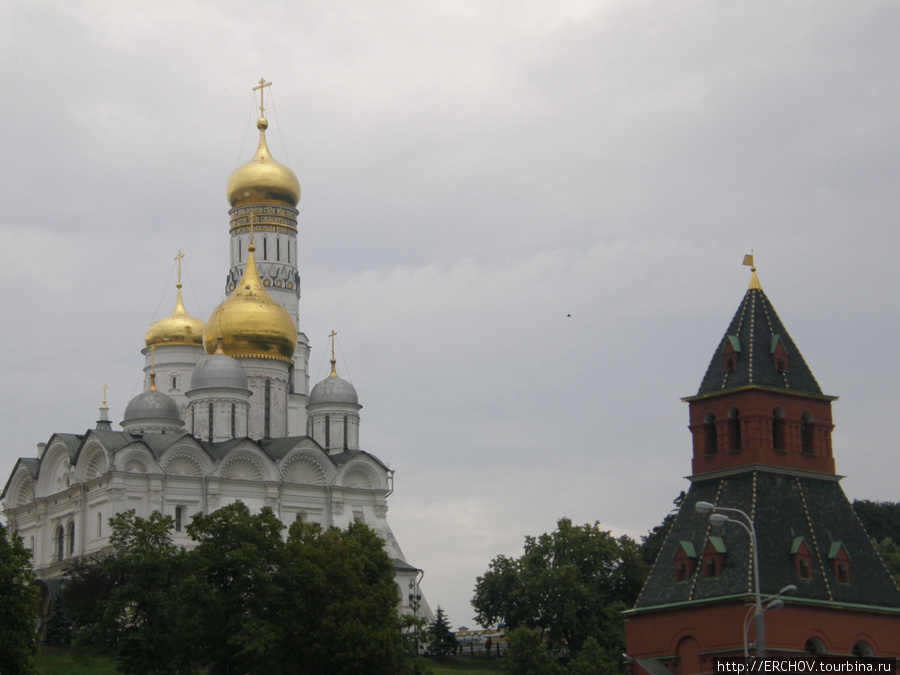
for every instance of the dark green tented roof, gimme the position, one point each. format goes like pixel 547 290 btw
pixel 784 508
pixel 754 333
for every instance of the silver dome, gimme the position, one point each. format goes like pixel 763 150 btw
pixel 152 404
pixel 218 370
pixel 333 390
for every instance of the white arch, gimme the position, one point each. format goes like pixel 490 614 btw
pixel 304 468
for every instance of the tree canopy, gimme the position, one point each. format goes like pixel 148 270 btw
pixel 244 600
pixel 18 602
pixel 569 585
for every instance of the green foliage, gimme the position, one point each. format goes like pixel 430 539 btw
pixel 525 655
pixel 441 641
pixel 652 542
pixel 18 602
pixel 59 626
pixel 244 601
pixel 594 660
pixel 890 553
pixel 569 585
pixel 142 614
pixel 881 519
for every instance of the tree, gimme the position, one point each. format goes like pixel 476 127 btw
pixel 233 586
pixel 143 616
pixel 569 585
pixel 18 602
pixel 338 604
pixel 441 641
pixel 652 542
pixel 881 519
pixel 525 655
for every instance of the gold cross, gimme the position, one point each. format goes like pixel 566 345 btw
pixel 104 395
pixel 261 86
pixel 332 336
pixel 178 260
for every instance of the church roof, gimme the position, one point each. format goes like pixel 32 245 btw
pixel 754 336
pixel 783 507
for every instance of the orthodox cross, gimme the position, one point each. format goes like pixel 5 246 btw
pixel 104 395
pixel 178 261
pixel 333 361
pixel 261 86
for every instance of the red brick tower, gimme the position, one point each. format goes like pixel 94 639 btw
pixel 761 430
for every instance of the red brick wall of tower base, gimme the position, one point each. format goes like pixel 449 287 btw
pixel 689 639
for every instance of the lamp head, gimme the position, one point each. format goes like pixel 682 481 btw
pixel 704 507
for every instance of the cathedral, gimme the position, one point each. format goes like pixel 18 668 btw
pixel 226 414
pixel 765 555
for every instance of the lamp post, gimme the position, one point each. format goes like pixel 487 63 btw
pixel 717 518
pixel 771 602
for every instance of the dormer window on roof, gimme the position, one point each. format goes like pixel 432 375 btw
pixel 730 352
pixel 840 562
pixel 802 558
pixel 713 557
pixel 684 559
pixel 779 354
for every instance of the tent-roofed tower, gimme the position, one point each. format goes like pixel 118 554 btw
pixel 761 430
pixel 263 195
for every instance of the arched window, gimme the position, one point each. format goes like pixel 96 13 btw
pixel 60 543
pixel 710 436
pixel 99 525
pixel 210 421
pixel 779 441
pixel 178 518
pixel 681 572
pixel 268 410
pixel 814 646
pixel 345 432
pixel 710 569
pixel 734 430
pixel 70 538
pixel 327 431
pixel 233 420
pixel 862 649
pixel 807 434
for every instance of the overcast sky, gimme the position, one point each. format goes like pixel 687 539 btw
pixel 525 220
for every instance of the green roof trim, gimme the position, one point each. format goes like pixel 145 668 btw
pixel 735 343
pixel 795 545
pixel 718 544
pixel 836 547
pixel 853 606
pixel 688 548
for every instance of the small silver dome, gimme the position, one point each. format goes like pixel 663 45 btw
pixel 218 370
pixel 152 404
pixel 333 389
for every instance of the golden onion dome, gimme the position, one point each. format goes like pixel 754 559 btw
pixel 262 180
pixel 179 328
pixel 250 323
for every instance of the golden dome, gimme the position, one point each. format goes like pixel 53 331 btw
pixel 179 328
pixel 262 180
pixel 250 323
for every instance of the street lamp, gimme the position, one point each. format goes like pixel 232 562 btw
pixel 718 518
pixel 771 602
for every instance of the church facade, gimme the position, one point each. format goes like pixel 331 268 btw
pixel 762 456
pixel 227 413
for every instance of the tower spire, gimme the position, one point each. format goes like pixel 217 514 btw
pixel 754 281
